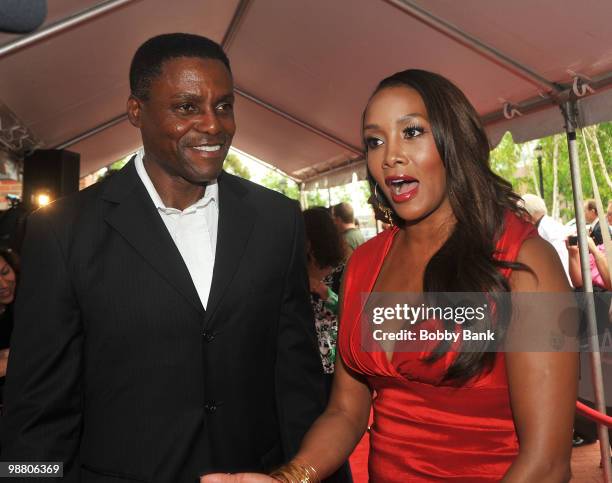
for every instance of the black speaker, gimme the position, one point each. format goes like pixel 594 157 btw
pixel 49 172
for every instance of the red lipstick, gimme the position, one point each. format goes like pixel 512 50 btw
pixel 402 187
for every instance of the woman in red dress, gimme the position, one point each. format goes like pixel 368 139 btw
pixel 461 416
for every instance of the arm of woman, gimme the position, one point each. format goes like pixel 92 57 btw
pixel 334 435
pixel 601 263
pixel 543 385
pixel 574 265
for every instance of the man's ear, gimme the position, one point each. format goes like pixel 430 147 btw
pixel 134 108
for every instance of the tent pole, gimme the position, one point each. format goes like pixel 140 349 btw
pixel 62 25
pixel 570 112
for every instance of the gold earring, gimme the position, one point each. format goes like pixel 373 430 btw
pixel 385 210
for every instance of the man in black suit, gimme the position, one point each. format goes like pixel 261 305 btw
pixel 590 214
pixel 133 359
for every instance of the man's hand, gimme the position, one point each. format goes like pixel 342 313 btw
pixel 4 353
pixel 237 478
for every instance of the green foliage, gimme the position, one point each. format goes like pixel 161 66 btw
pixel 117 165
pixel 282 184
pixel 233 165
pixel 516 163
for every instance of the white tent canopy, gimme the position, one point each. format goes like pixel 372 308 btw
pixel 304 70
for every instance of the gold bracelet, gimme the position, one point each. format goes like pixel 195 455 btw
pixel 296 472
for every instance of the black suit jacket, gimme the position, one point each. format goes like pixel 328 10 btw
pixel 118 371
pixel 596 233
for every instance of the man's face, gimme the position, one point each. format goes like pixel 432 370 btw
pixel 187 124
pixel 609 214
pixel 590 215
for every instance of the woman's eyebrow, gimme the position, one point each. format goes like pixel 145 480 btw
pixel 403 118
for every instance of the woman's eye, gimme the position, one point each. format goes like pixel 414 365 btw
pixel 413 131
pixel 372 143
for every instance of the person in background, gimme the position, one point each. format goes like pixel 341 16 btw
pixel 590 213
pixel 9 263
pixel 609 213
pixel 344 217
pixel 325 251
pixel 600 272
pixel 548 228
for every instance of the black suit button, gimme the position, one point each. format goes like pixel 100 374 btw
pixel 210 407
pixel 208 336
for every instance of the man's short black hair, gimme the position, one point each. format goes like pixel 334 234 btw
pixel 344 211
pixel 149 58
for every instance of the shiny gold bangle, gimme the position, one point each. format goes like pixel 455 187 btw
pixel 296 472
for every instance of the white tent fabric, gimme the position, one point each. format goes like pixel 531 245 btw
pixel 304 70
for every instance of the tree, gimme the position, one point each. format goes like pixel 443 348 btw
pixel 234 166
pixel 282 184
pixel 514 162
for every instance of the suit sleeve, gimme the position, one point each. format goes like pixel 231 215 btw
pixel 299 374
pixel 43 387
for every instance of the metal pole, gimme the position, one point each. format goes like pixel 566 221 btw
pixel 570 114
pixel 63 25
pixel 541 177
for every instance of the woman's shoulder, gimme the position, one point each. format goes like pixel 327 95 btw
pixel 373 246
pixel 367 258
pixel 516 230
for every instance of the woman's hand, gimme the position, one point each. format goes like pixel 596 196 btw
pixel 237 478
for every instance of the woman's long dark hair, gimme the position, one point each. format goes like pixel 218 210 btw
pixel 479 200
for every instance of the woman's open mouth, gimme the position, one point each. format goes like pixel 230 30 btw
pixel 403 187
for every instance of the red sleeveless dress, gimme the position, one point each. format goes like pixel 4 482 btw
pixel 424 430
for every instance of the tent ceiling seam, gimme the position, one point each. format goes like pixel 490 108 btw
pixel 458 35
pixel 299 122
pixel 62 25
pixel 90 132
pixel 237 19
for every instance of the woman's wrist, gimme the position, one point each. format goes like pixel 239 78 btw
pixel 296 471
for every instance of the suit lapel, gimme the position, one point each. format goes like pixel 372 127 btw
pixel 134 216
pixel 236 219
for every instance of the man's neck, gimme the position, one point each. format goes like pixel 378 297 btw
pixel 348 226
pixel 174 191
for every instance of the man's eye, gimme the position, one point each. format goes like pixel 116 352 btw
pixel 372 143
pixel 225 107
pixel 186 108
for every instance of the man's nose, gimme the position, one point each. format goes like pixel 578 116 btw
pixel 208 123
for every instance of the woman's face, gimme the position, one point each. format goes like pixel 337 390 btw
pixel 402 155
pixel 7 282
